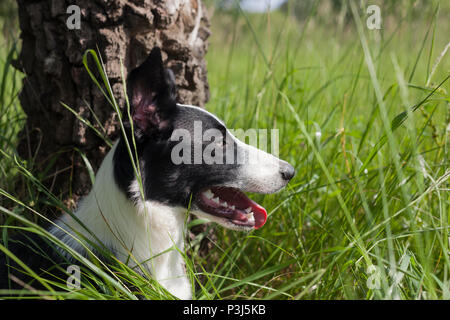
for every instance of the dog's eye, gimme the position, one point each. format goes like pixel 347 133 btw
pixel 221 142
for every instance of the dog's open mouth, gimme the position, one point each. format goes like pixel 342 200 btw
pixel 233 205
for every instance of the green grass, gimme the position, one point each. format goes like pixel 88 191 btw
pixel 362 115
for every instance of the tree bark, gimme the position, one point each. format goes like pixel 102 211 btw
pixel 51 59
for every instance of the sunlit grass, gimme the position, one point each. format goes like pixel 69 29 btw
pixel 368 191
pixel 363 116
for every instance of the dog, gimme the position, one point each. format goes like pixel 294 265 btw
pixel 138 204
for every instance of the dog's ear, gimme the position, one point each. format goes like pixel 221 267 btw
pixel 152 94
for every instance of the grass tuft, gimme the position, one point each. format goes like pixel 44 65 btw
pixel 362 115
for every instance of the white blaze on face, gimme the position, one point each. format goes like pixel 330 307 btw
pixel 259 170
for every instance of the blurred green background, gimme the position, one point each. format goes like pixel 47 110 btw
pixel 364 118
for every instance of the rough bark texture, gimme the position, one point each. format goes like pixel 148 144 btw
pixel 51 59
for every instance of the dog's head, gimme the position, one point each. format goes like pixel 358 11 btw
pixel 188 158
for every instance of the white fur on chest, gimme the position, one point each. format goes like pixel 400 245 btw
pixel 136 232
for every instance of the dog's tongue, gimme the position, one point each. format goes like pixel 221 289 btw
pixel 259 213
pixel 241 202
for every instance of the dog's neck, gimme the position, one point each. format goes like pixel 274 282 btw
pixel 147 233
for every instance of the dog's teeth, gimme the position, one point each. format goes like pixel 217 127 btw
pixel 225 204
pixel 216 200
pixel 248 210
pixel 233 208
pixel 208 194
pixel 250 216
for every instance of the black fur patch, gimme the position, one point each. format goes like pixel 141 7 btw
pixel 35 252
pixel 155 116
pixel 163 180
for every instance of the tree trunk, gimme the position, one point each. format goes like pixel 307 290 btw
pixel 51 59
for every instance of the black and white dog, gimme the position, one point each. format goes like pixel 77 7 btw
pixel 145 225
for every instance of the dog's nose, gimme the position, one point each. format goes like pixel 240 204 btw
pixel 287 171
